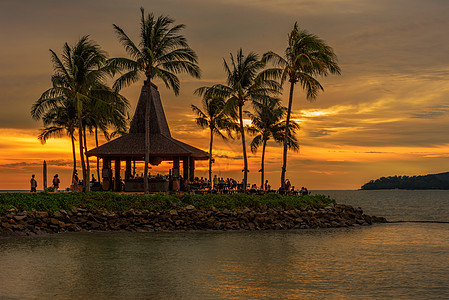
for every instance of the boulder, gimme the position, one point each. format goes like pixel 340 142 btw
pixel 190 208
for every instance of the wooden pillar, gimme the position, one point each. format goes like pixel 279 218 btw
pixel 128 169
pixel 134 167
pixel 106 174
pixel 176 183
pixel 45 175
pixel 176 167
pixel 117 185
pixel 192 169
pixel 185 168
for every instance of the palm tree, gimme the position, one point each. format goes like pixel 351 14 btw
pixel 216 119
pixel 266 123
pixel 102 115
pixel 305 57
pixel 79 79
pixel 245 82
pixel 58 120
pixel 162 53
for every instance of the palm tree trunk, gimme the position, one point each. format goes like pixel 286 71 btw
pixel 245 159
pixel 98 159
pixel 73 152
pixel 147 139
pixel 210 157
pixel 80 141
pixel 262 175
pixel 87 186
pixel 287 122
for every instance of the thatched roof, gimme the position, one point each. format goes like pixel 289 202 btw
pixel 161 143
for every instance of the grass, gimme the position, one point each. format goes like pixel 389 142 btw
pixel 122 202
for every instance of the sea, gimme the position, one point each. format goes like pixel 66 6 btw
pixel 405 259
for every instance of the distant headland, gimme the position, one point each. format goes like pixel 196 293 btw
pixel 438 181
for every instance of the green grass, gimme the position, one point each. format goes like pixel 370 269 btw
pixel 122 202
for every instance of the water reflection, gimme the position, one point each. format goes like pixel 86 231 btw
pixel 382 261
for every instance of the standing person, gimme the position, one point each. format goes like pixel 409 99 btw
pixel 266 185
pixel 56 182
pixel 33 183
pixel 75 181
pixel 288 185
pixel 216 180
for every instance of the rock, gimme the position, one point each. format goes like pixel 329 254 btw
pixel 246 210
pixel 53 221
pixel 173 212
pixel 93 225
pixel 190 207
pixel 20 218
pixel 58 215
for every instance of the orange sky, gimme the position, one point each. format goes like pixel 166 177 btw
pixel 387 114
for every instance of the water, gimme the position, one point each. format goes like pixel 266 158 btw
pixel 398 205
pixel 394 261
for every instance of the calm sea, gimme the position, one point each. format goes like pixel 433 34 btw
pixel 385 261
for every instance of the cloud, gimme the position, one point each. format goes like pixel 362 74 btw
pixel 387 111
pixel 320 133
pixel 431 112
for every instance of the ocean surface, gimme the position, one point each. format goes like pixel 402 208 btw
pixel 404 260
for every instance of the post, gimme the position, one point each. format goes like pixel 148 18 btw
pixel 107 174
pixel 185 168
pixel 45 176
pixel 186 173
pixel 134 167
pixel 117 181
pixel 175 174
pixel 192 169
pixel 128 169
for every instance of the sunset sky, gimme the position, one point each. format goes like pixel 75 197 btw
pixel 387 114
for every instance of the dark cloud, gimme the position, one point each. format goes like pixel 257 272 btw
pixel 431 113
pixel 322 132
pixel 32 164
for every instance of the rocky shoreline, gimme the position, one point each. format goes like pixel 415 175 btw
pixel 13 223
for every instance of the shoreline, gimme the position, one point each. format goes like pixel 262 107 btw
pixel 189 218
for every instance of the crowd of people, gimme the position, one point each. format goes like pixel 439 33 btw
pixel 219 185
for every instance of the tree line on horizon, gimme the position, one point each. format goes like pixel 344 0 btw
pixel 80 101
pixel 422 182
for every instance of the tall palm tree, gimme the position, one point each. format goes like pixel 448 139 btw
pixel 162 53
pixel 58 120
pixel 215 118
pixel 79 78
pixel 267 123
pixel 306 57
pixel 245 81
pixel 110 113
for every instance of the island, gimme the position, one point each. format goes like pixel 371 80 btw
pixel 438 181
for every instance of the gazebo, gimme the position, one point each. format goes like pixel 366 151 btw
pixel 131 148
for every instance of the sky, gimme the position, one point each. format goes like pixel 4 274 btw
pixel 386 114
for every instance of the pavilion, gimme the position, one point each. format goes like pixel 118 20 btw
pixel 131 148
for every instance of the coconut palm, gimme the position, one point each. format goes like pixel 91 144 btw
pixel 60 120
pixel 110 113
pixel 79 78
pixel 162 53
pixel 215 118
pixel 267 123
pixel 306 57
pixel 245 81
